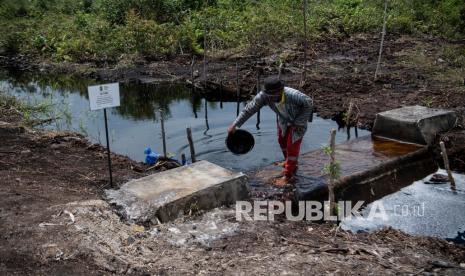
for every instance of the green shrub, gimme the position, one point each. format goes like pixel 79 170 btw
pixel 12 39
pixel 104 30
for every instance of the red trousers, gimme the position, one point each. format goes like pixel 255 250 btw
pixel 290 150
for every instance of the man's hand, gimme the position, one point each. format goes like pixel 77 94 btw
pixel 298 128
pixel 231 129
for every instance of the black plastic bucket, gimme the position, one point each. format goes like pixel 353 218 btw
pixel 240 142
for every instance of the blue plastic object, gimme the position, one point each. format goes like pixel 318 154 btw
pixel 150 157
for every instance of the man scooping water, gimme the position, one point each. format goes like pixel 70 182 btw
pixel 294 109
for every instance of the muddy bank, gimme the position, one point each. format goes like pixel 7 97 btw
pixel 39 170
pixel 47 176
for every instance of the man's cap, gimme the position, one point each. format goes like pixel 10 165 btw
pixel 273 84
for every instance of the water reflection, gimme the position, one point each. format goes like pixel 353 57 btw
pixel 459 239
pixel 221 94
pixel 206 120
pixel 258 121
pixel 141 100
pixel 196 102
pixel 33 83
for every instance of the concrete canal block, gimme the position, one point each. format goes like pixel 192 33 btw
pixel 414 124
pixel 167 195
pixel 370 168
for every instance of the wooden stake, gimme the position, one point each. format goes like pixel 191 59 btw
pixel 193 86
pixel 191 144
pixel 205 56
pixel 382 39
pixel 332 198
pixel 280 68
pixel 304 73
pixel 192 69
pixel 238 89
pixel 221 94
pixel 163 136
pixel 446 165
pixel 206 118
pixel 349 114
pixel 258 91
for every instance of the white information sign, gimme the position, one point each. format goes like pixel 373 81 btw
pixel 104 96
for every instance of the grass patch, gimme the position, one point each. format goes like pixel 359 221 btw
pixel 106 30
pixel 13 110
pixel 454 55
pixel 445 64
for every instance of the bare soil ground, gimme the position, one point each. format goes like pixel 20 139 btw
pixel 39 170
pixel 47 176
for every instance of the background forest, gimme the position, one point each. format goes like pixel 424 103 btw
pixel 107 30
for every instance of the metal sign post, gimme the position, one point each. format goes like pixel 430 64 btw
pixel 102 97
pixel 108 146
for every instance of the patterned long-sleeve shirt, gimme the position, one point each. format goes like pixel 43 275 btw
pixel 294 110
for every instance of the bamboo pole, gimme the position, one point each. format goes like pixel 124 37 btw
pixel 206 118
pixel 192 69
pixel 205 56
pixel 445 158
pixel 191 144
pixel 349 114
pixel 221 94
pixel 304 73
pixel 163 135
pixel 383 34
pixel 347 119
pixel 238 89
pixel 193 86
pixel 332 198
pixel 258 91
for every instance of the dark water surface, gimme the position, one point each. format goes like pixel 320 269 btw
pixel 421 209
pixel 135 124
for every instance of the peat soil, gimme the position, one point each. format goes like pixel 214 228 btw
pixel 53 221
pixel 46 176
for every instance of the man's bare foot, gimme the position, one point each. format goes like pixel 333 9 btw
pixel 283 181
pixel 280 164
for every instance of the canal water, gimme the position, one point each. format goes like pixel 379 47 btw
pixel 135 124
pixel 421 209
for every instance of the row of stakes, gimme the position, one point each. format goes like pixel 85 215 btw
pixel 189 138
